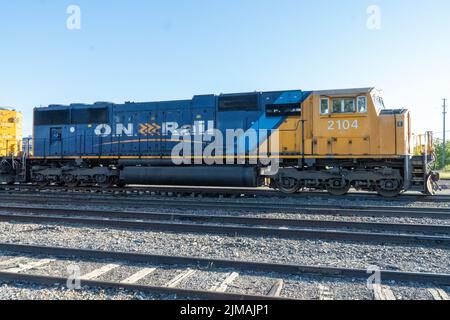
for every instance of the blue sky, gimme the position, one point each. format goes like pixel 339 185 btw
pixel 144 50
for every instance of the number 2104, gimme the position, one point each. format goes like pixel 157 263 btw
pixel 343 124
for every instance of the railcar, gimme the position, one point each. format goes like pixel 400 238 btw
pixel 10 132
pixel 10 143
pixel 289 140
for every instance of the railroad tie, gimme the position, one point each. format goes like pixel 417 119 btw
pixel 222 287
pixel 325 293
pixel 8 262
pixel 438 294
pixel 138 275
pixel 383 293
pixel 30 265
pixel 276 289
pixel 98 272
pixel 179 278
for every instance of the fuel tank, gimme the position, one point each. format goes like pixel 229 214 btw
pixel 223 176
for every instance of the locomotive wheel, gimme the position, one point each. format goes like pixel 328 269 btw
pixel 71 181
pixel 43 183
pixel 289 185
pixel 338 187
pixel 388 192
pixel 338 191
pixel 104 181
pixel 41 180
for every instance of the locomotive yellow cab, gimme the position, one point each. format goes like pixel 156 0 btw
pixel 348 138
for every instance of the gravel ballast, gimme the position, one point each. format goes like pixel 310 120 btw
pixel 25 291
pixel 410 258
pixel 300 215
pixel 305 252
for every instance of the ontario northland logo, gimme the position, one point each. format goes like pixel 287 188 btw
pixel 154 129
pixel 150 129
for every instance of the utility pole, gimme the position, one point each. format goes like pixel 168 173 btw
pixel 444 151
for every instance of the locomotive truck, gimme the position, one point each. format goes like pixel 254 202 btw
pixel 326 140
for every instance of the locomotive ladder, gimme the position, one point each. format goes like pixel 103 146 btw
pixel 419 168
pixel 418 173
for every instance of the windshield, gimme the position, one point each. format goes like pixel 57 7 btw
pixel 378 103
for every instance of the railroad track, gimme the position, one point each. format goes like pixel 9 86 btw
pixel 237 220
pixel 234 226
pixel 238 206
pixel 23 272
pixel 228 272
pixel 216 192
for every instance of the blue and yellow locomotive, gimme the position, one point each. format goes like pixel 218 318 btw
pixel 290 140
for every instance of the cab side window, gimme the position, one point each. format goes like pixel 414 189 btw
pixel 344 105
pixel 362 104
pixel 324 106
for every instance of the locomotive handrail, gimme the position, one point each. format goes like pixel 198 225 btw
pixel 425 155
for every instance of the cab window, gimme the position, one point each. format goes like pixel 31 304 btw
pixel 362 104
pixel 344 105
pixel 324 106
pixel 378 101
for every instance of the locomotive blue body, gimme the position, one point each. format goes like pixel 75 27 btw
pixel 146 130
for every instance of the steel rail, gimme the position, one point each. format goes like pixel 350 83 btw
pixel 283 269
pixel 382 211
pixel 208 295
pixel 231 230
pixel 248 192
pixel 223 219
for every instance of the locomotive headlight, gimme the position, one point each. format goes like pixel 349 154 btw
pixel 72 130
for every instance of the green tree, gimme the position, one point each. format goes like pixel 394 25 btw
pixel 438 149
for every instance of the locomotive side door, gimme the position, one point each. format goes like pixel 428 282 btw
pixel 56 141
